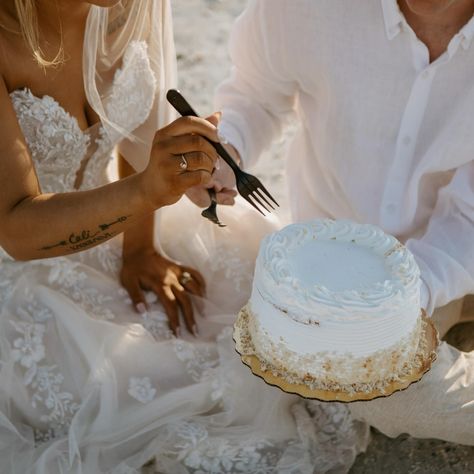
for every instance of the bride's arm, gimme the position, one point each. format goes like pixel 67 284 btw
pixel 34 225
pixel 140 236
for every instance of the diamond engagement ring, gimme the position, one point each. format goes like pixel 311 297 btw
pixel 183 164
pixel 186 277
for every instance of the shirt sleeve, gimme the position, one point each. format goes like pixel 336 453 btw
pixel 445 253
pixel 259 96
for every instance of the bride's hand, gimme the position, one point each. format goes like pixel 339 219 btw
pixel 172 283
pixel 183 142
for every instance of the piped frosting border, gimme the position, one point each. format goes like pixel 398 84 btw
pixel 274 280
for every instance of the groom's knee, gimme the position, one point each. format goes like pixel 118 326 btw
pixel 439 406
pixel 384 415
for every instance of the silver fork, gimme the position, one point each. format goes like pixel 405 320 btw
pixel 249 187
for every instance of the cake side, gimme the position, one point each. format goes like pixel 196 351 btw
pixel 336 372
pixel 336 303
pixel 359 338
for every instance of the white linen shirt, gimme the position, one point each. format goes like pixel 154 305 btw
pixel 384 136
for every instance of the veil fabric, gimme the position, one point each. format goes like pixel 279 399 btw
pixel 138 35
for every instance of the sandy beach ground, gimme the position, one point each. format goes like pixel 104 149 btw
pixel 202 29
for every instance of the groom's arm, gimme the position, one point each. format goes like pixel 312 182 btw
pixel 445 253
pixel 260 94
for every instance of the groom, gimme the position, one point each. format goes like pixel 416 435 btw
pixel 383 94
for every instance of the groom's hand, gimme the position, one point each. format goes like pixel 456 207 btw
pixel 223 179
pixel 223 182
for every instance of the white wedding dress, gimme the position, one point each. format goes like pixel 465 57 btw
pixel 88 386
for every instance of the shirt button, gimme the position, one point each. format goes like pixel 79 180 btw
pixel 425 74
pixel 406 140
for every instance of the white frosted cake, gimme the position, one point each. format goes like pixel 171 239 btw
pixel 335 305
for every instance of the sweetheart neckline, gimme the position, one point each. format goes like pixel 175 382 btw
pixel 45 97
pixel 91 134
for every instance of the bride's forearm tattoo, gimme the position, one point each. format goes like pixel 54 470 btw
pixel 86 238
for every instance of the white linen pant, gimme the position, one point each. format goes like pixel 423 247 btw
pixel 441 405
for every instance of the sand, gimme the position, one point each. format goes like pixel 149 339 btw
pixel 202 29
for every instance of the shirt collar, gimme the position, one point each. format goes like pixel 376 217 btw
pixel 392 17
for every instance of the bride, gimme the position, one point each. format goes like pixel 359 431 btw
pixel 98 375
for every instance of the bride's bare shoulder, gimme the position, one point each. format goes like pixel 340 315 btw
pixel 14 53
pixel 9 58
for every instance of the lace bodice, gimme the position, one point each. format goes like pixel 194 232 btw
pixel 58 146
pixel 67 158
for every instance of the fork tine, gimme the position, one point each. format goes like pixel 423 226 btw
pixel 262 188
pixel 251 189
pixel 252 183
pixel 247 198
pixel 270 205
pixel 246 191
pixel 259 201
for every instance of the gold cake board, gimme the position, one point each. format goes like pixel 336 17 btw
pixel 426 353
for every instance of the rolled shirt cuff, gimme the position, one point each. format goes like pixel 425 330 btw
pixel 230 134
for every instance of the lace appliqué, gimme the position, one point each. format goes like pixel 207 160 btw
pixel 200 362
pixel 56 142
pixel 326 437
pixel 45 381
pixel 66 276
pixel 156 323
pixel 28 349
pixel 133 92
pixel 203 453
pixel 234 267
pixel 9 274
pixel 141 389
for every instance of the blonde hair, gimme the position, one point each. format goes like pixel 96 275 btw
pixel 28 20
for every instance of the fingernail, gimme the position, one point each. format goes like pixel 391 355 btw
pixel 217 166
pixel 178 332
pixel 141 308
pixel 195 330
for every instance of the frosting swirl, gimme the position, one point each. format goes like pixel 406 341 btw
pixel 389 276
